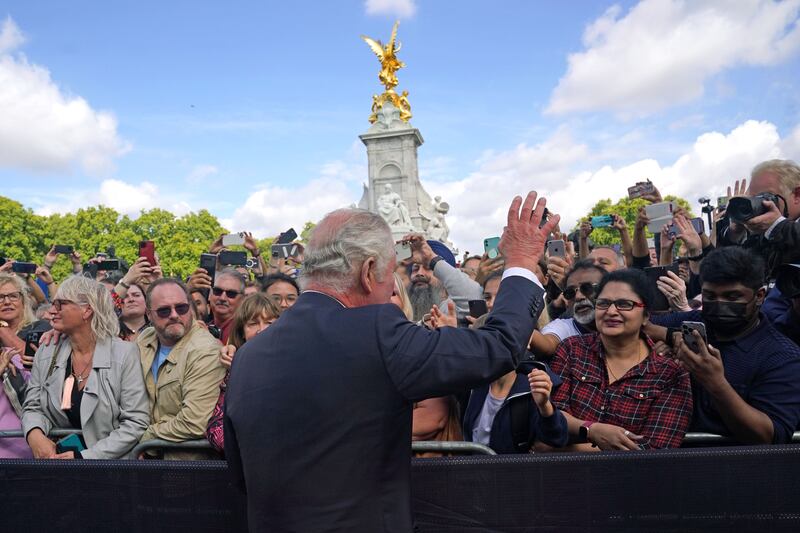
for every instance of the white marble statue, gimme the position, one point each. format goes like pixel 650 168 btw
pixel 438 229
pixel 394 210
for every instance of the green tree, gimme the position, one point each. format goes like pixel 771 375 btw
pixel 22 232
pixel 627 209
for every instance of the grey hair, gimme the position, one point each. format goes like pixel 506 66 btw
pixel 80 289
pixel 620 257
pixel 28 316
pixel 787 171
pixel 340 244
pixel 233 273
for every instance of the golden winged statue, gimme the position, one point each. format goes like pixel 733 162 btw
pixel 387 55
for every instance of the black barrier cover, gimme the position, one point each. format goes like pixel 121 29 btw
pixel 723 489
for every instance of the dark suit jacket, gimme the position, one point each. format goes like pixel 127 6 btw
pixel 318 407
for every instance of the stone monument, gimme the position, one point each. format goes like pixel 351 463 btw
pixel 394 189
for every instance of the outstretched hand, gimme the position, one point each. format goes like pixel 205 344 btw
pixel 523 240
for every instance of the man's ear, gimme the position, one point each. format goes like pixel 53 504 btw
pixel 367 277
pixel 761 295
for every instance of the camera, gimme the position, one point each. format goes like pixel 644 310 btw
pixel 743 208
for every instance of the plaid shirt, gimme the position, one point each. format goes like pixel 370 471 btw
pixel 652 399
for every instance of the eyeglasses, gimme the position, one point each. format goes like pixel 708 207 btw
pixel 12 297
pixel 587 289
pixel 277 298
pixel 58 302
pixel 622 304
pixel 229 293
pixel 166 311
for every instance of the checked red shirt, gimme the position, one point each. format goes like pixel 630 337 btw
pixel 652 399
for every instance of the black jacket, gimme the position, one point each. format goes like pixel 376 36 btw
pixel 318 407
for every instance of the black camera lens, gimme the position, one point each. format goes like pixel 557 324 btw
pixel 743 208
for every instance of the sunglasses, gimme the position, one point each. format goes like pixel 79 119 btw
pixel 622 304
pixel 587 289
pixel 229 293
pixel 165 312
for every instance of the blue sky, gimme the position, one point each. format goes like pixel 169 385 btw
pixel 253 111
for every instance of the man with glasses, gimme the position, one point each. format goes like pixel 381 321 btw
pixel 580 293
pixel 226 294
pixel 180 363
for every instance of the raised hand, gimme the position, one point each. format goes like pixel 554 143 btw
pixel 541 387
pixel 441 320
pixel 523 241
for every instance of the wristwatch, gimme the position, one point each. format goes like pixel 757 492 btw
pixel 583 431
pixel 432 263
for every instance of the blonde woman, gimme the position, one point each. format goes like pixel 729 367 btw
pixel 16 314
pixel 88 380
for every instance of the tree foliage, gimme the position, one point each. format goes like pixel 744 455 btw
pixel 627 209
pixel 179 241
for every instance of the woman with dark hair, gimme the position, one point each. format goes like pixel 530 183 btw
pixel 617 393
pixel 255 314
pixel 281 289
pixel 133 316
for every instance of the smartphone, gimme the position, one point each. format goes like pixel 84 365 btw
pixel 208 262
pixel 642 188
pixel 23 268
pixel 32 337
pixel 490 247
pixel 722 202
pixel 287 236
pixel 556 248
pixel 64 249
pixel 70 443
pixel 147 249
pixel 688 338
pixel 477 308
pixel 108 264
pixel 699 225
pixel 284 250
pixel 660 215
pixel 660 302
pixel 228 257
pixel 233 239
pixel 602 221
pixel 403 251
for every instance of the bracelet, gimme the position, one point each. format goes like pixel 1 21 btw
pixel 125 285
pixel 432 263
pixel 697 257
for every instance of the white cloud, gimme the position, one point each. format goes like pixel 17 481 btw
pixel 200 172
pixel 272 209
pixel 43 128
pixel 126 198
pixel 553 168
pixel 399 8
pixel 662 52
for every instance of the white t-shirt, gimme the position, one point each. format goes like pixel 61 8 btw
pixel 482 431
pixel 563 328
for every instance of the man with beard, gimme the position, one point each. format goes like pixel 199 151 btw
pixel 434 277
pixel 580 292
pixel 180 363
pixel 746 379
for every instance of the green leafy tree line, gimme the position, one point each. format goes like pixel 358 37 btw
pixel 627 209
pixel 26 236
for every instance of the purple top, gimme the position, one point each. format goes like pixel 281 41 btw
pixel 13 448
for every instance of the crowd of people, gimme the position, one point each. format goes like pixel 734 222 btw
pixel 636 345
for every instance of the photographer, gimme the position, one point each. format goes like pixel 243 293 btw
pixel 774 233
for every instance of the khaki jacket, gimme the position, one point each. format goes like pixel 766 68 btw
pixel 114 405
pixel 183 397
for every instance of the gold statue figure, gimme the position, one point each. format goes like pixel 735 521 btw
pixel 389 66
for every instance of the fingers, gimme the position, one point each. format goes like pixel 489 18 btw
pixel 513 210
pixel 451 308
pixel 528 210
pixel 551 224
pixel 714 352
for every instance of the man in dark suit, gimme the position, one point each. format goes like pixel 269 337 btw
pixel 318 407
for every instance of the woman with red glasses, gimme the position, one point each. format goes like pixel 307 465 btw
pixel 617 393
pixel 88 381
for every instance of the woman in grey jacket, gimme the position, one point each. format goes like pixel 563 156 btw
pixel 89 380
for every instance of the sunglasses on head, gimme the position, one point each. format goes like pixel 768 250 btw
pixel 622 304
pixel 229 293
pixel 587 289
pixel 166 311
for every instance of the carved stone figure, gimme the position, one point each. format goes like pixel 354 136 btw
pixel 394 210
pixel 438 229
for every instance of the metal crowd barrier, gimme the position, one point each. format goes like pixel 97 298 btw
pixel 422 446
pixel 18 434
pixel 158 444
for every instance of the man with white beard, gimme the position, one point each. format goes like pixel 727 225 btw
pixel 580 293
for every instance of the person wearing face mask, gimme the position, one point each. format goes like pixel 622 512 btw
pixel 581 290
pixel 256 313
pixel 746 379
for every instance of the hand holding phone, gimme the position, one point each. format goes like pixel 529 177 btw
pixel 403 251
pixel 556 248
pixel 689 339
pixel 490 247
pixel 147 249
pixel 63 249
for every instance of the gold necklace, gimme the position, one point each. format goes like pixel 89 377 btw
pixel 80 377
pixel 638 360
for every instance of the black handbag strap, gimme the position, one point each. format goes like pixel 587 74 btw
pixel 520 411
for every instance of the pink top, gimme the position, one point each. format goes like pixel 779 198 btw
pixel 13 448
